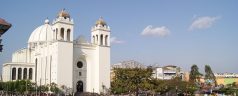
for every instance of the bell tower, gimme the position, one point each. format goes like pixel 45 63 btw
pixel 63 27
pixel 62 49
pixel 100 33
pixel 100 38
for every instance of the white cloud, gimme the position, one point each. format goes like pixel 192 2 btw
pixel 156 31
pixel 203 22
pixel 115 40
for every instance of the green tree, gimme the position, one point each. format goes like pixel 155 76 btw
pixel 209 75
pixel 1 85
pixel 194 75
pixel 54 88
pixel 129 80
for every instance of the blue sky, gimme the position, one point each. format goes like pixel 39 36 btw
pixel 181 33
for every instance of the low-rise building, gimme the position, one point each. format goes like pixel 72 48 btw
pixel 226 78
pixel 167 72
pixel 126 64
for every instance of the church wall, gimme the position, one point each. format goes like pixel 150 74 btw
pixel 91 69
pixel 6 73
pixel 54 64
pixel 104 68
pixel 65 61
pixel 83 55
pixel 20 56
pixel 42 53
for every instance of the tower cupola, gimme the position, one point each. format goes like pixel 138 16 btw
pixel 63 14
pixel 100 22
pixel 63 27
pixel 100 34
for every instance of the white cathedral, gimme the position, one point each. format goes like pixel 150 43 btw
pixel 53 56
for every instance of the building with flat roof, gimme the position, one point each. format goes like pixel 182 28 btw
pixel 226 78
pixel 167 72
pixel 128 64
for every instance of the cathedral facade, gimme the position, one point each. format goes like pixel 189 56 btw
pixel 53 56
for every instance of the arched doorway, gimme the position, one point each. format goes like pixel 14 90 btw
pixel 79 86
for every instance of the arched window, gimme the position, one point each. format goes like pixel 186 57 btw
pixel 30 73
pixel 19 73
pixel 14 73
pixel 106 39
pixel 56 33
pixel 68 34
pixel 25 73
pixel 101 39
pixel 62 33
pixel 79 64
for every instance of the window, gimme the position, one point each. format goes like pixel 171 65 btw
pixel 25 73
pixel 80 64
pixel 68 35
pixel 80 74
pixel 106 37
pixel 101 39
pixel 13 73
pixel 19 73
pixel 30 73
pixel 62 33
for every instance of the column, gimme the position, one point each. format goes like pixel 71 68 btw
pixel 16 73
pixel 10 74
pixel 27 73
pixel 103 39
pixel 22 73
pixel 65 34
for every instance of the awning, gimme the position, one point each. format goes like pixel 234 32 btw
pixel 4 26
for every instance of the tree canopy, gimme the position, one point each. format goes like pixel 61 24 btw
pixel 209 75
pixel 194 75
pixel 132 80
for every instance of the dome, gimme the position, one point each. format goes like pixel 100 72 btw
pixel 42 33
pixel 81 39
pixel 64 14
pixel 100 21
